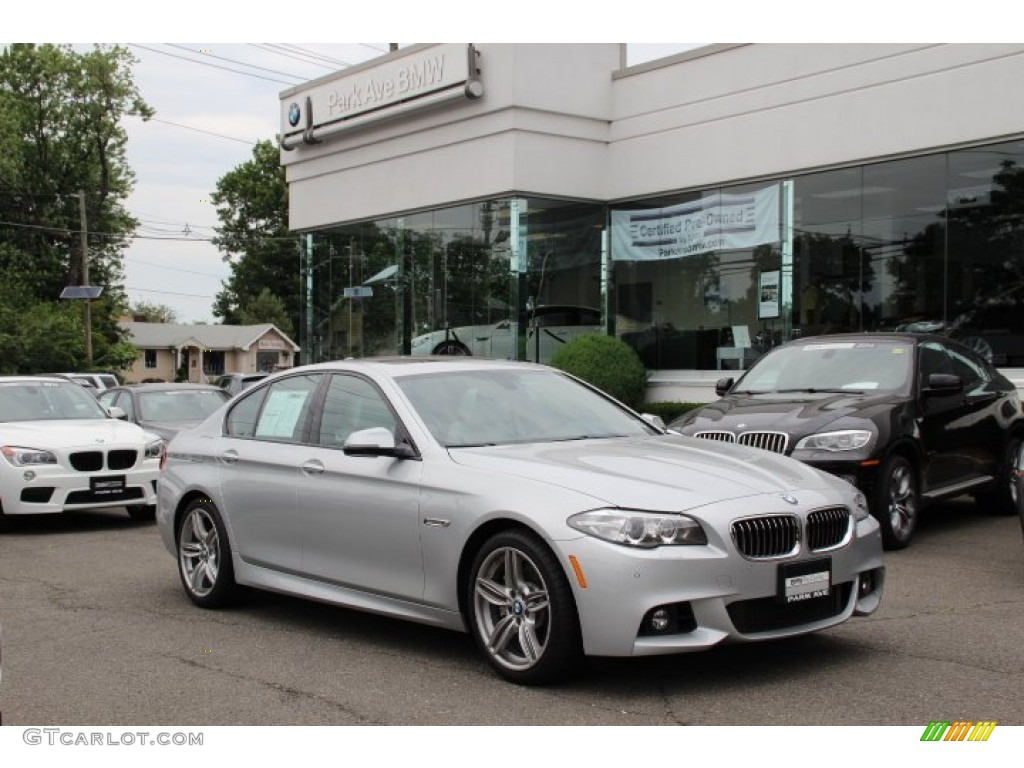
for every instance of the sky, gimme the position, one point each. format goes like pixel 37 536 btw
pixel 214 100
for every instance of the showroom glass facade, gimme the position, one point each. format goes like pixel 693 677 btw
pixel 927 243
pixel 507 278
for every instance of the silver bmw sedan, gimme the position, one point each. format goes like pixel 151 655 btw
pixel 515 502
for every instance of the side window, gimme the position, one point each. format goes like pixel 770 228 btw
pixel 352 404
pixel 285 407
pixel 933 360
pixel 107 399
pixel 124 402
pixel 971 373
pixel 242 419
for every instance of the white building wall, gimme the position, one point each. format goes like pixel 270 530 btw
pixel 751 111
pixel 541 128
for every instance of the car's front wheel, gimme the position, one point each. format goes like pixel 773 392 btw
pixel 897 502
pixel 204 557
pixel 1004 499
pixel 452 348
pixel 521 610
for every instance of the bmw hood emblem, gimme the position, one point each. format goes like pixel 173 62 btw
pixel 789 498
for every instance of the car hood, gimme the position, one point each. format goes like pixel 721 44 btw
pixel 71 433
pixel 168 429
pixel 667 472
pixel 795 414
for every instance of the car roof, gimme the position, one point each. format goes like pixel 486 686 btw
pixel 904 336
pixel 394 365
pixel 169 386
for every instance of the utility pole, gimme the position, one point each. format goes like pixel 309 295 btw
pixel 85 275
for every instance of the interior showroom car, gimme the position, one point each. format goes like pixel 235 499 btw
pixel 906 418
pixel 63 451
pixel 514 502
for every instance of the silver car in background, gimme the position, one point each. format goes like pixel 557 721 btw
pixel 512 501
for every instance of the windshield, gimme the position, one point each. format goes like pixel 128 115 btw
pixel 472 408
pixel 47 401
pixel 179 405
pixel 848 366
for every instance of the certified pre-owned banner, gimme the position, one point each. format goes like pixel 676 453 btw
pixel 716 222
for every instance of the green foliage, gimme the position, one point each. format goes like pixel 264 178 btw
pixel 265 308
pixel 669 411
pixel 607 363
pixel 152 312
pixel 252 205
pixel 61 132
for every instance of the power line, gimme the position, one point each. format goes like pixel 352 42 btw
pixel 233 61
pixel 169 293
pixel 175 269
pixel 208 64
pixel 304 58
pixel 201 130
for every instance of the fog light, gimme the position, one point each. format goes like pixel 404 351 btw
pixel 866 584
pixel 660 620
pixel 29 476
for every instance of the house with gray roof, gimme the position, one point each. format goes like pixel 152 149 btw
pixel 203 352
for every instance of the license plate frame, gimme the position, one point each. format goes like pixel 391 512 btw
pixel 807 580
pixel 107 487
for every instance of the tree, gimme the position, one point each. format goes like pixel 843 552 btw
pixel 61 133
pixel 266 308
pixel 153 313
pixel 252 205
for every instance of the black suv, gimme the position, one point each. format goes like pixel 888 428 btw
pixel 908 418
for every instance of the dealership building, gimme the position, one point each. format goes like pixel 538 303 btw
pixel 502 198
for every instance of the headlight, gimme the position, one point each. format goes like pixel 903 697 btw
pixel 639 529
pixel 843 440
pixel 27 457
pixel 155 449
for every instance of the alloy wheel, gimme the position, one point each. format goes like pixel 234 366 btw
pixel 199 550
pixel 513 610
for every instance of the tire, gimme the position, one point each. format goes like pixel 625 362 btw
pixel 452 348
pixel 204 557
pixel 521 610
pixel 142 513
pixel 897 502
pixel 1003 499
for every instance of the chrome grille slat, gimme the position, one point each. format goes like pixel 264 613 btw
pixel 766 537
pixel 828 528
pixel 716 434
pixel 776 442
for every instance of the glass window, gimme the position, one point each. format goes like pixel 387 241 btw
pixel 125 403
pixel 242 418
pixel 285 407
pixel 150 355
pixel 352 404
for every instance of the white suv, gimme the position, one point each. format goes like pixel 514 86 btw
pixel 61 450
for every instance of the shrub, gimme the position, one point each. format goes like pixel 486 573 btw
pixel 607 363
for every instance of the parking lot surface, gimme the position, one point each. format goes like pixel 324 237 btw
pixel 97 631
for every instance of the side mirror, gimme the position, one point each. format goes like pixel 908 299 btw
pixel 116 413
pixel 654 420
pixel 943 384
pixel 375 441
pixel 722 386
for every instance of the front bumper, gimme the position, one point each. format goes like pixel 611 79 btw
pixel 731 599
pixel 57 488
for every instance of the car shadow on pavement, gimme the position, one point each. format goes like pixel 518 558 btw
pixel 85 521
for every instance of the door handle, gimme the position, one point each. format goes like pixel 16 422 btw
pixel 229 457
pixel 312 467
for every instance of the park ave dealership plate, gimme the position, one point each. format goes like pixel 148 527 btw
pixel 808 580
